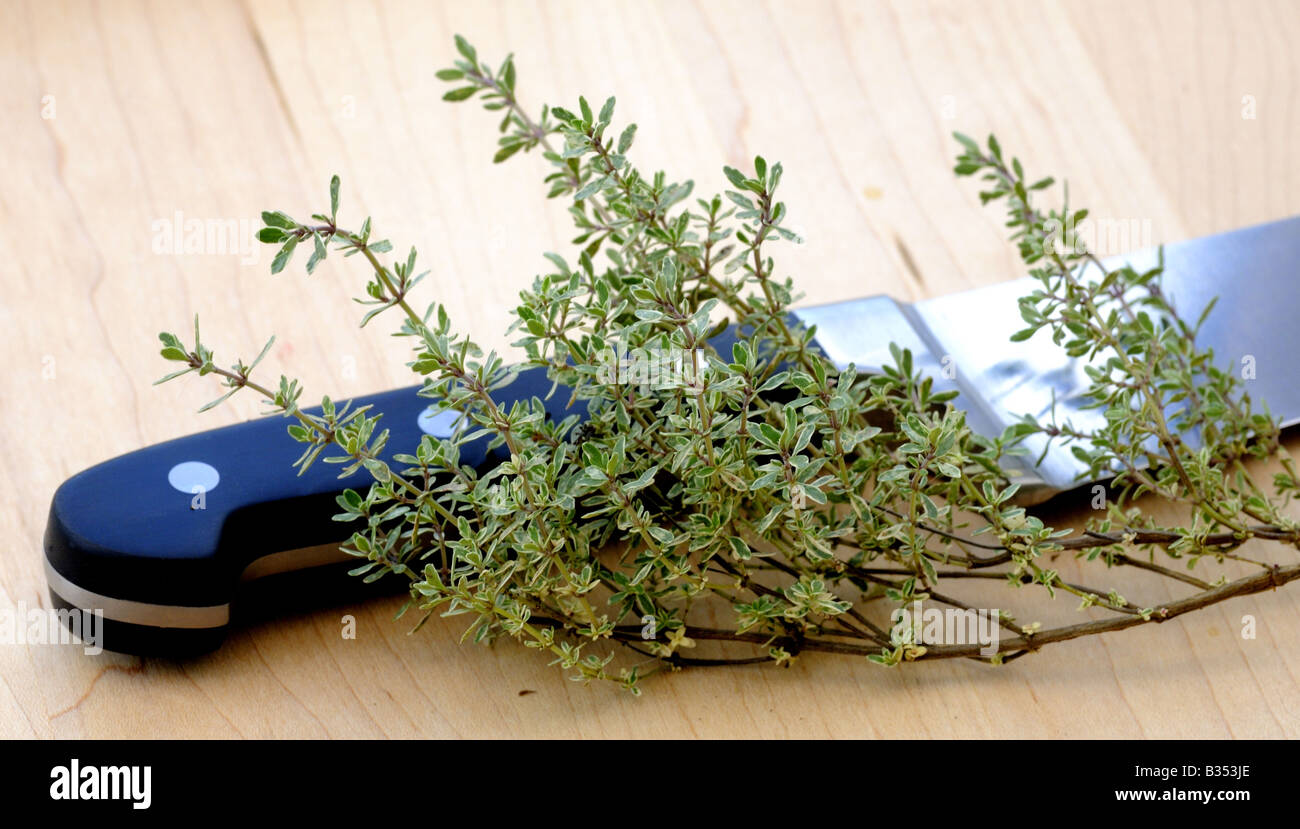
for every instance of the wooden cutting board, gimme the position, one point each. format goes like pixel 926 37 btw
pixel 120 117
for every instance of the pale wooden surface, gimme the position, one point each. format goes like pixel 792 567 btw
pixel 219 110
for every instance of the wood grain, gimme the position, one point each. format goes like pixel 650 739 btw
pixel 120 114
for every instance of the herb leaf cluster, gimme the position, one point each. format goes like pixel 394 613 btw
pixel 761 497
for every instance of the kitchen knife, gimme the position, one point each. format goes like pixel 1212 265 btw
pixel 125 537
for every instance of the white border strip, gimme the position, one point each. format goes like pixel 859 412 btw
pixel 137 613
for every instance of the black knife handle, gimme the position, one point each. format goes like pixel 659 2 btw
pixel 161 539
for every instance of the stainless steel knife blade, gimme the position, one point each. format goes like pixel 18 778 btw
pixel 964 341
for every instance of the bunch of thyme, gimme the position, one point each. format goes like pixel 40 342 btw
pixel 806 501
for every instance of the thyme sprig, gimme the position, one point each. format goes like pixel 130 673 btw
pixel 807 501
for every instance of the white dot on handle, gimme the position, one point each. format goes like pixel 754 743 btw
pixel 441 424
pixel 188 475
